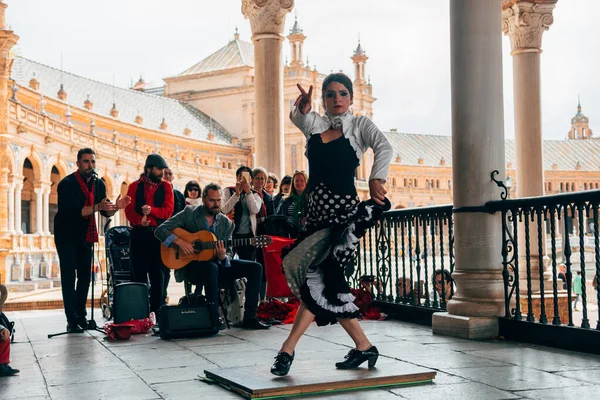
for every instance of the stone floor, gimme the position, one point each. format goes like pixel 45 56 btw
pixel 84 366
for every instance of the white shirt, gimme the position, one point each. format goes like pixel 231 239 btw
pixel 361 132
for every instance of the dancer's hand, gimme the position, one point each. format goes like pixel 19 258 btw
pixel 377 191
pixel 304 101
pixel 4 335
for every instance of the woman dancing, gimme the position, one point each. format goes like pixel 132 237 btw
pixel 336 218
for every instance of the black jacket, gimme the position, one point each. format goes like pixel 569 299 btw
pixel 69 225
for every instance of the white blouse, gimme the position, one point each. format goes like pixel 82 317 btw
pixel 361 132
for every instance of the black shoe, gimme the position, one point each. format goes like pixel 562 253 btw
pixel 82 322
pixel 74 327
pixel 356 357
pixel 253 323
pixel 282 363
pixel 7 370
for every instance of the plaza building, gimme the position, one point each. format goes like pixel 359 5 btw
pixel 205 122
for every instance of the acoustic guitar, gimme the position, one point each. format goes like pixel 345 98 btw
pixel 204 247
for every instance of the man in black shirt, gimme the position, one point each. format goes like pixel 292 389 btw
pixel 80 196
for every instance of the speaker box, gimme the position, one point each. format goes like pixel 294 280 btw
pixel 130 302
pixel 188 321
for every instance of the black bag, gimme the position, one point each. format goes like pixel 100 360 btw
pixel 189 320
pixel 10 325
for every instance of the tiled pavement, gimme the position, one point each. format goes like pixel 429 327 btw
pixel 84 366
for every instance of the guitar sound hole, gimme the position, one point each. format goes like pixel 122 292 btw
pixel 197 246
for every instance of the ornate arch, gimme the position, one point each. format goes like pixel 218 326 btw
pixel 36 161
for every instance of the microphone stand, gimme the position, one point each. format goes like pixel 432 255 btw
pixel 91 323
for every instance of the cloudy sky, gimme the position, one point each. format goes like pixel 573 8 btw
pixel 407 42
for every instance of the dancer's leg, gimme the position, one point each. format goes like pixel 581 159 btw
pixel 356 332
pixel 303 320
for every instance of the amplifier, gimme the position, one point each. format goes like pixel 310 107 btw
pixel 130 302
pixel 188 321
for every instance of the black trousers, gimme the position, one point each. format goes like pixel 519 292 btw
pixel 75 265
pixel 166 280
pixel 144 258
pixel 212 276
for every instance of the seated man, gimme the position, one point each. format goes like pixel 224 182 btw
pixel 5 369
pixel 444 285
pixel 223 268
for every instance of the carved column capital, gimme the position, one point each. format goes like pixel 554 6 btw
pixel 267 17
pixel 525 22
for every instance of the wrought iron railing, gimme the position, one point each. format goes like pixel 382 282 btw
pixel 405 254
pixel 549 295
pixel 410 253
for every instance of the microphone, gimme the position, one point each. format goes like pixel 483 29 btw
pixel 94 174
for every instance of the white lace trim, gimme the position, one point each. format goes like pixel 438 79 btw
pixel 314 281
pixel 347 121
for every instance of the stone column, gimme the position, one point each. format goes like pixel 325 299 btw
pixel 525 22
pixel 267 19
pixel 39 212
pixel 11 208
pixel 477 150
pixel 46 209
pixel 18 189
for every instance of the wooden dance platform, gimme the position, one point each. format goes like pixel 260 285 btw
pixel 256 382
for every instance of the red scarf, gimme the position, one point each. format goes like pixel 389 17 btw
pixel 92 232
pixel 147 181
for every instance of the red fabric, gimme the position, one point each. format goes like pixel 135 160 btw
pixel 276 283
pixel 262 213
pixel 5 351
pixel 92 232
pixel 163 212
pixel 139 326
pixel 277 309
pixel 364 301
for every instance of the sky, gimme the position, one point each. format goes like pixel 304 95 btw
pixel 407 42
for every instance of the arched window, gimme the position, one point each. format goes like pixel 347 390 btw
pixel 405 182
pixel 228 165
pixel 585 186
pixel 596 185
pixel 549 186
pixel 415 183
pixel 394 181
pixel 562 187
pixel 572 186
pixel 437 183
pixel 427 184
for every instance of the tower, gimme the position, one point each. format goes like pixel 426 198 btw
pixel 359 59
pixel 580 125
pixel 7 40
pixel 296 38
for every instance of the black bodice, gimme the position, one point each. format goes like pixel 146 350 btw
pixel 333 164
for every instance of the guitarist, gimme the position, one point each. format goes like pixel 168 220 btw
pixel 223 268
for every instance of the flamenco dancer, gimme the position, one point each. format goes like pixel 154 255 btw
pixel 336 218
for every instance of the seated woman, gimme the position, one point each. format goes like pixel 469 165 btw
pixel 284 190
pixel 294 205
pixel 192 194
pixel 5 369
